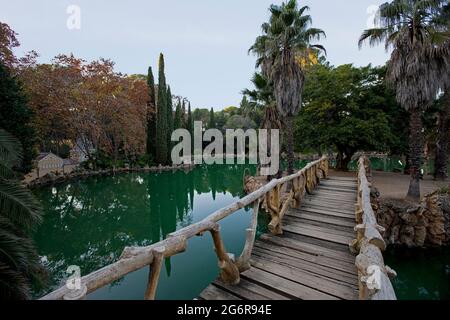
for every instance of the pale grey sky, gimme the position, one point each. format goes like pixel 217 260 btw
pixel 205 42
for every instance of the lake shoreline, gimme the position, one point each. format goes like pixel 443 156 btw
pixel 57 179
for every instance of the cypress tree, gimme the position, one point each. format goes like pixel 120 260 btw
pixel 212 120
pixel 178 122
pixel 15 116
pixel 161 109
pixel 190 126
pixel 169 123
pixel 184 115
pixel 190 121
pixel 151 115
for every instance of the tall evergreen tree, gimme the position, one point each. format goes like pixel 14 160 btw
pixel 151 115
pixel 161 109
pixel 169 123
pixel 184 115
pixel 178 122
pixel 190 125
pixel 15 116
pixel 190 121
pixel 212 120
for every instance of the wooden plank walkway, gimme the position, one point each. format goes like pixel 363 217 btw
pixel 311 260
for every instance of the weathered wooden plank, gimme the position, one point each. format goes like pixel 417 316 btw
pixel 310 248
pixel 317 234
pixel 349 278
pixel 317 220
pixel 320 228
pixel 342 265
pixel 331 208
pixel 280 284
pixel 248 290
pixel 304 278
pixel 336 190
pixel 214 293
pixel 349 201
pixel 315 210
pixel 333 196
pixel 329 204
pixel 321 218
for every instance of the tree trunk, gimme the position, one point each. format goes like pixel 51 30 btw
pixel 343 159
pixel 441 162
pixel 415 153
pixel 290 144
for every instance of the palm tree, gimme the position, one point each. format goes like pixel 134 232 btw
pixel 417 38
pixel 442 143
pixel 285 43
pixel 262 99
pixel 20 213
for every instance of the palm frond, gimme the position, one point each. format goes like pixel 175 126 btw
pixel 19 262
pixel 10 151
pixel 19 205
pixel 374 36
pixel 319 47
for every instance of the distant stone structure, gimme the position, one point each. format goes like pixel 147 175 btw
pixel 48 162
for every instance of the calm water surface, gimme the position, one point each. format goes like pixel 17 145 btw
pixel 423 274
pixel 89 223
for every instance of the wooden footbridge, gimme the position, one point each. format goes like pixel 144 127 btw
pixel 321 246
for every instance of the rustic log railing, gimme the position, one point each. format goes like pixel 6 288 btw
pixel 276 197
pixel 374 276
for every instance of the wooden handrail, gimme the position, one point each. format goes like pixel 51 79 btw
pixel 135 258
pixel 374 276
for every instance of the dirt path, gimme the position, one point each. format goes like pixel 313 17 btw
pixel 395 185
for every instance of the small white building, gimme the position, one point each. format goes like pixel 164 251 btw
pixel 51 163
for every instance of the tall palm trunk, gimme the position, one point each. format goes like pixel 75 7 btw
pixel 415 153
pixel 441 162
pixel 290 143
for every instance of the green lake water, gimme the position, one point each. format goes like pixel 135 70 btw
pixel 423 274
pixel 89 223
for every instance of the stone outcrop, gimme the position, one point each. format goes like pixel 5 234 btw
pixel 416 225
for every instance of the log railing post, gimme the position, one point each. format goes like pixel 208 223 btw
pixel 155 272
pixel 373 275
pixel 229 271
pixel 243 262
pixel 274 207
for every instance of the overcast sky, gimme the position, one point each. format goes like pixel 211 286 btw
pixel 205 42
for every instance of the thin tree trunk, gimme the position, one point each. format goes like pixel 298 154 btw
pixel 441 162
pixel 343 160
pixel 415 153
pixel 290 144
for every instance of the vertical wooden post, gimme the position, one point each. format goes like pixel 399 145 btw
pixel 309 183
pixel 230 272
pixel 244 260
pixel 155 272
pixel 275 225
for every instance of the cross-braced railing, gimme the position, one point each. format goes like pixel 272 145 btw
pixel 276 197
